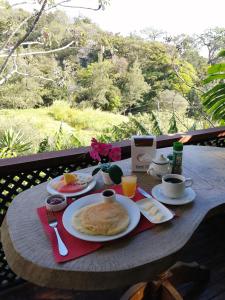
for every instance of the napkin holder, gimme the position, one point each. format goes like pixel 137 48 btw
pixel 143 149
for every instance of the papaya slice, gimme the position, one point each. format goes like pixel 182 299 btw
pixel 70 188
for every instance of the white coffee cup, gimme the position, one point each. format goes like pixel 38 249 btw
pixel 173 185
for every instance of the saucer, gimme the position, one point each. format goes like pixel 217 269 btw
pixel 188 196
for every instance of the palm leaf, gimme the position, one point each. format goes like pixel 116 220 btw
pixel 215 104
pixel 216 88
pixel 213 77
pixel 14 142
pixel 75 141
pixel 214 98
pixel 155 124
pixel 219 112
pixel 217 68
pixel 173 125
pixel 140 127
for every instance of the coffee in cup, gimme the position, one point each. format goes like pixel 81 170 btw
pixel 173 185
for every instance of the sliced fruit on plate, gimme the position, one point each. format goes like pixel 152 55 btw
pixel 70 178
pixel 72 183
pixel 70 188
pixel 76 178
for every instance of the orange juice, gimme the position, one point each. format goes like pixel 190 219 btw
pixel 129 184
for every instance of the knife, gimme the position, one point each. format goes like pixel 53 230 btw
pixel 144 193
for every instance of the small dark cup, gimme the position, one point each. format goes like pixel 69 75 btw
pixel 55 202
pixel 109 195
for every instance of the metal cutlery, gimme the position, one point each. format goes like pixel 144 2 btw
pixel 52 221
pixel 144 193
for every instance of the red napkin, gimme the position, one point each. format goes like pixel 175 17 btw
pixel 77 247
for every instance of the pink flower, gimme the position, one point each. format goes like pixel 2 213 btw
pixel 104 152
pixel 104 149
pixel 94 154
pixel 115 154
pixel 95 145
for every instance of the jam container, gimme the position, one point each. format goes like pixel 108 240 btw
pixel 55 202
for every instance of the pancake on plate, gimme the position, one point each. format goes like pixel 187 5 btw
pixel 103 218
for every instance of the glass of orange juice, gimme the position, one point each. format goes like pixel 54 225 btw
pixel 129 184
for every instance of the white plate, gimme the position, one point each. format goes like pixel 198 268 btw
pixel 164 211
pixel 53 191
pixel 129 205
pixel 189 196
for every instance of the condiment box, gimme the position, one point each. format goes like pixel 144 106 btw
pixel 143 150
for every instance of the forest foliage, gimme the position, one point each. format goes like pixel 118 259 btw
pixel 137 76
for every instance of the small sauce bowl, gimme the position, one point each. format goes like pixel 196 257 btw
pixel 55 202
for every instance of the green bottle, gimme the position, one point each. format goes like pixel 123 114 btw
pixel 177 157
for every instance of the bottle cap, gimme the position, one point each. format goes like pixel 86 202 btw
pixel 177 146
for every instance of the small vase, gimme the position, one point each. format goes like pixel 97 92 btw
pixel 106 178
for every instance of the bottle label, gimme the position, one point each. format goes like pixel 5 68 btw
pixel 177 163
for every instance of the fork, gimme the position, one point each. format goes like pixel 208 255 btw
pixel 53 223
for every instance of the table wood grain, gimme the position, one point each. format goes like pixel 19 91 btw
pixel 126 261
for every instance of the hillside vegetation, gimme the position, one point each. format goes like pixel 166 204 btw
pixel 39 124
pixel 71 80
pixel 98 68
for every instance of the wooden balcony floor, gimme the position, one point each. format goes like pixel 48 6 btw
pixel 207 247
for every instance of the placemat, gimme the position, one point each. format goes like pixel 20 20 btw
pixel 78 247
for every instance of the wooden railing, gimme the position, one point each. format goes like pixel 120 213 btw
pixel 19 174
pixel 79 157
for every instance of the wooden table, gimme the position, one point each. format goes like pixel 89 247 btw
pixel 126 261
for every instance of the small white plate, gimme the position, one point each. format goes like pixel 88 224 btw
pixel 129 205
pixel 189 196
pixel 53 191
pixel 161 209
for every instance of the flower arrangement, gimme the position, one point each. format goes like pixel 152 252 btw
pixel 104 154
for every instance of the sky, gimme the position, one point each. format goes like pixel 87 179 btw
pixel 172 16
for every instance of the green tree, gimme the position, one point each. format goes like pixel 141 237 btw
pixel 96 86
pixel 213 39
pixel 153 34
pixel 188 49
pixel 134 87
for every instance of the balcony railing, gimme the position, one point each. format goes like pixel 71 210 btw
pixel 21 173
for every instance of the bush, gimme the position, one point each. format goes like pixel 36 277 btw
pixel 60 111
pixel 85 119
pixel 13 144
pixel 17 96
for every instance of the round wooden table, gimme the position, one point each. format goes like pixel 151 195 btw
pixel 128 261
